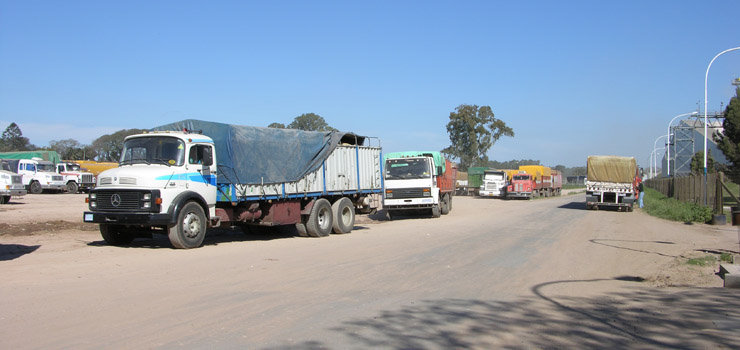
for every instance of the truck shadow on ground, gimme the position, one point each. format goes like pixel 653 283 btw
pixel 15 251
pixel 574 205
pixel 218 236
pixel 636 317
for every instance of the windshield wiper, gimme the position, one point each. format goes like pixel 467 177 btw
pixel 160 160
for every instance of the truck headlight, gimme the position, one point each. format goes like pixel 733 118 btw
pixel 427 192
pixel 388 193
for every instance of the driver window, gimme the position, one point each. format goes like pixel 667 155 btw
pixel 200 154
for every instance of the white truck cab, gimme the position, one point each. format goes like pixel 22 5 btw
pixel 11 184
pixel 37 175
pixel 158 172
pixel 494 184
pixel 76 178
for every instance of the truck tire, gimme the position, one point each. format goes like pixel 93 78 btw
pixel 4 199
pixel 320 220
pixel 436 211
pixel 343 213
pixel 301 228
pixel 190 227
pixel 72 187
pixel 114 235
pixel 35 187
pixel 445 207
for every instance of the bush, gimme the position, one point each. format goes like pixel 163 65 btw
pixel 661 206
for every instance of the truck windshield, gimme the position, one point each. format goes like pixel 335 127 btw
pixel 73 167
pixel 521 177
pixel 153 150
pixel 407 168
pixel 45 167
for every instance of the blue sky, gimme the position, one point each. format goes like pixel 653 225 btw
pixel 572 78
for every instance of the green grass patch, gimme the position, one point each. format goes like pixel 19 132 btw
pixel 703 261
pixel 663 207
pixel 728 200
pixel 573 186
pixel 725 257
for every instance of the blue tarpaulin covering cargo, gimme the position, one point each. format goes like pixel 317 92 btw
pixel 256 155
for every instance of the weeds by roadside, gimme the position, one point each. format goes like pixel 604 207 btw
pixel 663 207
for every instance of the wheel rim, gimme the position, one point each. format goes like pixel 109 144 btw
pixel 346 215
pixel 191 225
pixel 323 219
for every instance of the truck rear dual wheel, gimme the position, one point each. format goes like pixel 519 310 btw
pixel 445 207
pixel 115 235
pixel 319 223
pixel 343 213
pixel 190 228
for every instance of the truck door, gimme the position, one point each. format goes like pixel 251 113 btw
pixel 202 172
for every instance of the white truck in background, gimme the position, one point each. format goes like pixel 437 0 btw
pixel 75 177
pixel 37 175
pixel 11 184
pixel 494 184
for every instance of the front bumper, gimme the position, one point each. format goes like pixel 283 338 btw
pixel 518 194
pixel 13 192
pixel 142 219
pixel 484 193
pixel 409 203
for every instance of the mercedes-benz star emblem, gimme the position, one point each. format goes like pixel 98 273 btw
pixel 115 200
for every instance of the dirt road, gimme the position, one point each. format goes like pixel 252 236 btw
pixel 492 274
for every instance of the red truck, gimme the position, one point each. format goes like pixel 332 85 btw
pixel 535 181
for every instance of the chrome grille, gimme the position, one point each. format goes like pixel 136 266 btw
pixel 129 200
pixel 402 193
pixel 16 179
pixel 88 178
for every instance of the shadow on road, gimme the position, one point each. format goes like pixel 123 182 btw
pixel 613 245
pixel 220 236
pixel 574 205
pixel 638 318
pixel 15 251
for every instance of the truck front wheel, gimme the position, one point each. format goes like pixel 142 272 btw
pixel 344 216
pixel 115 235
pixel 190 228
pixel 72 187
pixel 436 212
pixel 320 220
pixel 35 187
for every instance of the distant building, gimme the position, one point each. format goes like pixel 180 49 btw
pixel 687 138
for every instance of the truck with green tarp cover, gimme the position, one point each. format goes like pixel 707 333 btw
pixel 611 182
pixel 418 181
pixel 181 178
pixel 51 156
